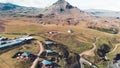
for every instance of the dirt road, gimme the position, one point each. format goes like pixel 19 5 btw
pixel 40 52
pixel 116 46
pixel 90 53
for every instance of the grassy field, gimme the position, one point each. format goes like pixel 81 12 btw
pixel 79 41
pixel 6 60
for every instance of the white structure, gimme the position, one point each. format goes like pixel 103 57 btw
pixel 70 31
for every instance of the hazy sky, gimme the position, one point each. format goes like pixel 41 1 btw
pixel 82 4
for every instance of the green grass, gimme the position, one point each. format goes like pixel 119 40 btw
pixel 81 40
pixel 110 41
pixel 72 58
pixel 6 60
pixel 110 30
pixel 71 42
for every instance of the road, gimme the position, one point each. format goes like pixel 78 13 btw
pixel 116 46
pixel 90 53
pixel 40 52
pixel 81 60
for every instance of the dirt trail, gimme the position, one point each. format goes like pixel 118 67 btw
pixel 82 60
pixel 91 51
pixel 116 46
pixel 40 52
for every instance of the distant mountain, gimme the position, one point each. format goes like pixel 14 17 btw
pixel 7 6
pixel 62 12
pixel 8 9
pixel 103 13
pixel 62 9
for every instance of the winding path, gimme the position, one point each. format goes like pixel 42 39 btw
pixel 40 52
pixel 90 53
pixel 116 46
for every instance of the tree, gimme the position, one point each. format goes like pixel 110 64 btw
pixel 40 15
pixel 103 50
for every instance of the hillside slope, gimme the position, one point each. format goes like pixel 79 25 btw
pixel 8 9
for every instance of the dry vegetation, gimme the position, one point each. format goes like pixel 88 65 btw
pixel 79 41
pixel 6 59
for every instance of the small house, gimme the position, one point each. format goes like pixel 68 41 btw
pixel 26 54
pixel 53 32
pixel 50 51
pixel 70 31
pixel 48 42
pixel 47 64
pixel 115 64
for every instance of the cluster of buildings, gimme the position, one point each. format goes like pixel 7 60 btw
pixel 19 55
pixel 7 43
pixel 49 63
pixel 45 63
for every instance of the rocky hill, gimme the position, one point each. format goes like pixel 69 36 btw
pixel 60 12
pixel 63 11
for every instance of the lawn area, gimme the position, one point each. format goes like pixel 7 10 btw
pixel 111 41
pixel 112 55
pixel 79 41
pixel 71 42
pixel 117 51
pixel 6 60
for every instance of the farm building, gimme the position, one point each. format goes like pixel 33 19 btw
pixel 15 42
pixel 48 42
pixel 70 31
pixel 53 32
pixel 50 51
pixel 12 43
pixel 26 54
pixel 115 65
pixel 47 64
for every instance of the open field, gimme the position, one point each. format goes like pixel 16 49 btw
pixel 7 61
pixel 2 28
pixel 79 41
pixel 81 34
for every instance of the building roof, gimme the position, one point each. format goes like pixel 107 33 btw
pixel 116 64
pixel 70 31
pixel 47 62
pixel 26 54
pixel 48 42
pixel 14 42
pixel 50 51
pixel 26 38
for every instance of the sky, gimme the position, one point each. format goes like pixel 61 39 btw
pixel 81 4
